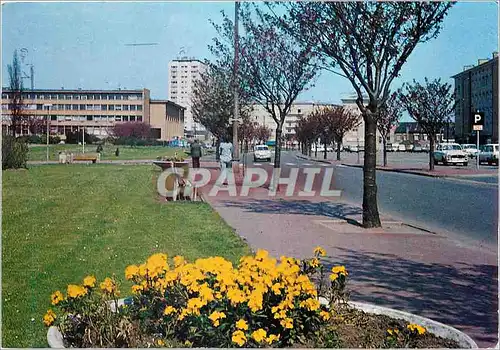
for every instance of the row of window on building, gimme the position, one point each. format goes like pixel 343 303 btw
pixel 82 118
pixel 81 107
pixel 45 96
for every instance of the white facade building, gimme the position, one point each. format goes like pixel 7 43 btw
pixel 182 73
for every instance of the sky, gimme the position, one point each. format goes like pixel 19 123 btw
pixel 84 44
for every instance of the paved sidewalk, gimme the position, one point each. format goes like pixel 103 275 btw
pixel 427 274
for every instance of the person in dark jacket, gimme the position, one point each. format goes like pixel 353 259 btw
pixel 196 153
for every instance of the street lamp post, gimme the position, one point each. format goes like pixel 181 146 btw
pixel 48 105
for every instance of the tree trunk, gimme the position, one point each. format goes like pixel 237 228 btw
pixel 316 149
pixel 309 147
pixel 324 152
pixel 217 145
pixel 384 149
pixel 339 144
pixel 370 207
pixel 431 153
pixel 277 152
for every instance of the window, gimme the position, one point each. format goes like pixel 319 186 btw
pixel 125 107
pixel 90 107
pixel 111 107
pixel 298 111
pixel 125 118
pixel 132 118
pixel 5 96
pixel 68 97
pixel 53 117
pixel 40 97
pixel 118 107
pixel 76 97
pixel 97 97
pixel 118 118
pixel 82 107
pixel 132 107
pixel 139 119
pixel 83 97
pixel 139 108
pixel 67 107
pixel 104 107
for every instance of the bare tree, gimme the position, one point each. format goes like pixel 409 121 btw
pixel 341 121
pixel 388 117
pixel 262 133
pixel 370 42
pixel 16 105
pixel 431 106
pixel 272 68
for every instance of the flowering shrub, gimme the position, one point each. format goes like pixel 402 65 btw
pixel 263 302
pixel 403 338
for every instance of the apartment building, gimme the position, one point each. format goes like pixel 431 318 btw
pixel 182 74
pixel 476 88
pixel 352 138
pixel 97 111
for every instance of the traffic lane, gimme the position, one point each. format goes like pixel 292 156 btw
pixel 463 208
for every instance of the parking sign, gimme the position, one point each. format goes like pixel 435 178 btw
pixel 477 121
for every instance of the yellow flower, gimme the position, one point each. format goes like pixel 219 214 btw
pixel 415 327
pixel 216 317
pixel 49 318
pixel 314 262
pixel 109 286
pixel 75 291
pixel 131 271
pixel 287 323
pixel 169 310
pixel 259 335
pixel 160 342
pixel 389 331
pixel 319 251
pixel 271 338
pixel 242 324
pixel 188 343
pixel 157 264
pixel 89 282
pixel 334 276
pixel 339 270
pixel 137 288
pixel 325 315
pixel 178 261
pixel 239 338
pixel 56 297
pixel 310 304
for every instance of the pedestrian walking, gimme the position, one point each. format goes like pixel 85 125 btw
pixel 196 154
pixel 226 156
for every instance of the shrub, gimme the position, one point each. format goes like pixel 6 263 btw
pixel 53 140
pixel 263 302
pixel 210 303
pixel 14 153
pixel 36 139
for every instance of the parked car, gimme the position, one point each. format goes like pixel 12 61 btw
pixel 329 148
pixel 450 153
pixel 321 148
pixel 401 148
pixel 393 148
pixel 417 148
pixel 261 152
pixel 470 149
pixel 489 154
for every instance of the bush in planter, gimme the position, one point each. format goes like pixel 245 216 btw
pixel 209 303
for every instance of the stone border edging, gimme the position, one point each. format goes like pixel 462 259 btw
pixel 55 339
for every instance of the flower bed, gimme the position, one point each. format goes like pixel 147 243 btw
pixel 209 303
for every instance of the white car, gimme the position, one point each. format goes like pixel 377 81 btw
pixel 261 152
pixel 489 154
pixel 470 149
pixel 450 153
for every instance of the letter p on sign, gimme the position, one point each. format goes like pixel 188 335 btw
pixel 477 121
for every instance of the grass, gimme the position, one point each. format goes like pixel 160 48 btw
pixel 61 223
pixel 126 152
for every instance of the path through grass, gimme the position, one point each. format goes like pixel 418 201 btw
pixel 61 223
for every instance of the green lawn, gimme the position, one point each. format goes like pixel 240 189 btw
pixel 126 152
pixel 61 223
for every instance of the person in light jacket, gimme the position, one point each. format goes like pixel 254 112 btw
pixel 226 156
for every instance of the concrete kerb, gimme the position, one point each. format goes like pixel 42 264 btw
pixel 313 159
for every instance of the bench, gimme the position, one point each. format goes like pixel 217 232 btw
pixel 86 158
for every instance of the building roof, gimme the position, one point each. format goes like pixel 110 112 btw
pixel 166 102
pixel 481 64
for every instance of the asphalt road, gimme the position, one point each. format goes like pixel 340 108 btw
pixel 468 209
